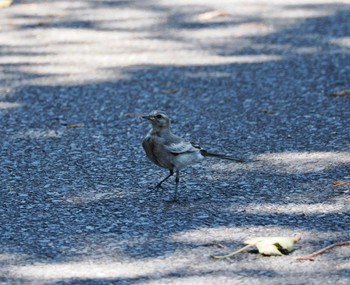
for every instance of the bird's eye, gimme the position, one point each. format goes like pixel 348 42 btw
pixel 159 116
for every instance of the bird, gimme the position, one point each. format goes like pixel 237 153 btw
pixel 172 152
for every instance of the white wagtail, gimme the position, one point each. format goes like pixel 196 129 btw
pixel 170 151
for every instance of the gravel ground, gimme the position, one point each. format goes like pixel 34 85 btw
pixel 77 205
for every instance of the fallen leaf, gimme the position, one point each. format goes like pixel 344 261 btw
pixel 272 245
pixel 337 183
pixel 73 125
pixel 212 14
pixel 340 93
pixel 267 246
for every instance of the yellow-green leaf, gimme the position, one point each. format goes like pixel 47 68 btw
pixel 285 242
pixel 266 248
pixel 268 245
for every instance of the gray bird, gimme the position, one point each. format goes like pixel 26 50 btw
pixel 170 151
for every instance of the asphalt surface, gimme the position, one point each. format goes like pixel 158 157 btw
pixel 77 205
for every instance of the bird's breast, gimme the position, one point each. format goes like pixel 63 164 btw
pixel 155 151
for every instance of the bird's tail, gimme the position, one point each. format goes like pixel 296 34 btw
pixel 222 156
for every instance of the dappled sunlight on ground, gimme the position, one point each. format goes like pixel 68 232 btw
pixel 9 105
pixel 64 49
pixel 297 162
pixel 342 42
pixel 293 208
pixel 288 162
pixel 235 234
pixel 187 266
pixel 97 194
pixel 109 269
pixel 303 162
pixel 38 134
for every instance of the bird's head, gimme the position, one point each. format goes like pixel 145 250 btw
pixel 158 119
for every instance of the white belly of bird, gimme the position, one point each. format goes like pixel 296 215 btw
pixel 186 159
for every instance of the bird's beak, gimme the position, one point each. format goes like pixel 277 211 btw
pixel 147 117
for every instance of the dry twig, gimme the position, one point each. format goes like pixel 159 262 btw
pixel 312 255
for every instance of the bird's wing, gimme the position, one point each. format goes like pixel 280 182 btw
pixel 181 147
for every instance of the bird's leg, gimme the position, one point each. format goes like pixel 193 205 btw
pixel 159 185
pixel 177 180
